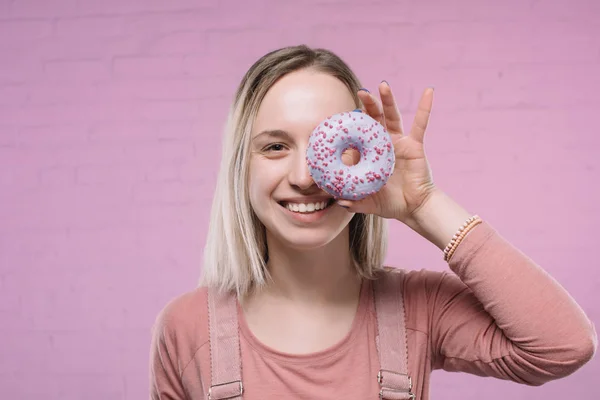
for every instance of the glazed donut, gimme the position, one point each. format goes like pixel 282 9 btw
pixel 350 130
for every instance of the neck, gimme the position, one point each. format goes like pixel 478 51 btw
pixel 319 275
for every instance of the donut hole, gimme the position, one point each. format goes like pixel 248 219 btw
pixel 350 156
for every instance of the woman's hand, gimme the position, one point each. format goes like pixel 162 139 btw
pixel 411 184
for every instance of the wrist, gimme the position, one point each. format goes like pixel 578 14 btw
pixel 438 218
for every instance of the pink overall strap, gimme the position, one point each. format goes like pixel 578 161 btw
pixel 393 378
pixel 225 359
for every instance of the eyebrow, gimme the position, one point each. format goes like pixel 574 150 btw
pixel 274 133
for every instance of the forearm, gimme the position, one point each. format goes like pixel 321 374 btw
pixel 547 329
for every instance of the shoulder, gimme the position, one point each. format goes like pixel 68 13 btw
pixel 182 324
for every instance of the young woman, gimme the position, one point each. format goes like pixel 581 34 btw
pixel 301 268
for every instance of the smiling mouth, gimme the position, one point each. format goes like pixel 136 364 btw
pixel 307 208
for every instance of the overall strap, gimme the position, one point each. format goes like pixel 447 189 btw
pixel 225 360
pixel 394 381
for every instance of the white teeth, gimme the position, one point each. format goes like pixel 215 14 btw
pixel 306 208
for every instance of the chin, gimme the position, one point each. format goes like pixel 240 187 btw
pixel 308 240
pixel 307 232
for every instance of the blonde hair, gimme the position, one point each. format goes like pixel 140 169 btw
pixel 235 252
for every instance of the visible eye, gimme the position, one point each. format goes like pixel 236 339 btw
pixel 274 147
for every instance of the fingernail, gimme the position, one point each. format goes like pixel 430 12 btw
pixel 366 90
pixel 357 110
pixel 386 82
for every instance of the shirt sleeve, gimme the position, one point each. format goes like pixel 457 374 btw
pixel 165 370
pixel 502 315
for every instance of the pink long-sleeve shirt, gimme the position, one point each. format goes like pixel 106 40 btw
pixel 498 314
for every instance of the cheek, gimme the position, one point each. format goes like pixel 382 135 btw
pixel 253 185
pixel 261 181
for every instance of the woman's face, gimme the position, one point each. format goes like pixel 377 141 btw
pixel 282 193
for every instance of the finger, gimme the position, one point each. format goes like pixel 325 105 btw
pixel 393 119
pixel 350 156
pixel 417 131
pixel 372 106
pixel 363 206
pixel 353 206
pixel 344 203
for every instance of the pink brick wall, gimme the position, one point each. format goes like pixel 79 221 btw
pixel 110 122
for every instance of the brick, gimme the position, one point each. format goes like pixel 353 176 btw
pixel 205 66
pixel 344 41
pixel 69 351
pixel 161 150
pixel 8 134
pixel 249 43
pixel 160 213
pixel 81 47
pixel 88 71
pixel 348 14
pixel 15 175
pixel 467 11
pixel 437 53
pixel 168 89
pixel 147 67
pixel 120 241
pixel 106 385
pixel 119 132
pixel 117 7
pixel 37 136
pixel 18 70
pixel 65 114
pixel 136 383
pixel 72 155
pixel 557 10
pixel 36 243
pixel 16 355
pixel 176 43
pixel 18 33
pixel 543 86
pixel 90 27
pixel 57 176
pixel 54 93
pixel 10 298
pixel 199 20
pixel 170 193
pixel 176 130
pixel 204 172
pixel 166 110
pixel 43 9
pixel 212 109
pixel 456 88
pixel 28 212
pixel 162 173
pixel 502 43
pixel 108 174
pixel 5 7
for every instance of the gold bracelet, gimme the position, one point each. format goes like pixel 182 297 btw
pixel 460 235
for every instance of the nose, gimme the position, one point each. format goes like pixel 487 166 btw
pixel 299 175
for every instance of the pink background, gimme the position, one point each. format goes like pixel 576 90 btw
pixel 110 128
